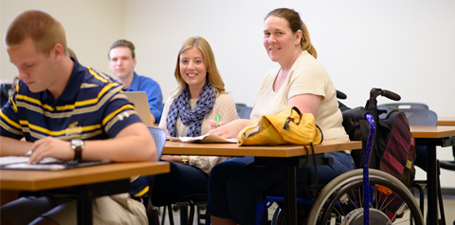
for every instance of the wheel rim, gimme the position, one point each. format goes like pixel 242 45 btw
pixel 351 210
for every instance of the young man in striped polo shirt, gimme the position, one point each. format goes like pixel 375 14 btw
pixel 66 111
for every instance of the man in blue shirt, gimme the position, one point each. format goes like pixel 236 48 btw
pixel 122 61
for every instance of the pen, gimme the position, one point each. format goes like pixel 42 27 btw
pixel 28 153
pixel 217 120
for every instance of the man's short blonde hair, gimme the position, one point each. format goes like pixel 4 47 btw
pixel 44 30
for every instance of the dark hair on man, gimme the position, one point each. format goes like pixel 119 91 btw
pixel 122 43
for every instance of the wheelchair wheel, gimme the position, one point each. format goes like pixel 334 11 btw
pixel 277 218
pixel 341 201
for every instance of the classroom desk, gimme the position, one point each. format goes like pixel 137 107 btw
pixel 433 136
pixel 86 183
pixel 292 154
pixel 446 121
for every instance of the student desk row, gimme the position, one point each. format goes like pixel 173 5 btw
pixel 86 183
pixel 90 182
pixel 446 121
pixel 289 156
pixel 430 136
pixel 433 136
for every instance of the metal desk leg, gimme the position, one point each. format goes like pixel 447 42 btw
pixel 84 209
pixel 432 186
pixel 183 215
pixel 290 199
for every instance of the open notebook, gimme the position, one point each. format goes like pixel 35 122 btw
pixel 49 163
pixel 140 101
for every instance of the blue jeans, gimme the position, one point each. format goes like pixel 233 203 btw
pixel 234 185
pixel 180 182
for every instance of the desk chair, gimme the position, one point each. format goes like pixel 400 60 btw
pixel 192 201
pixel 424 117
pixel 159 136
pixel 405 105
pixel 243 110
pixel 4 93
pixel 448 165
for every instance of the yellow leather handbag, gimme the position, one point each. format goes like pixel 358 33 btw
pixel 286 128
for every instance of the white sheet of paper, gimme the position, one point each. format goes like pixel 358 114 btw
pixel 5 160
pixel 208 138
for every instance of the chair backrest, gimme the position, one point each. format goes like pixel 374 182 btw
pixel 406 105
pixel 420 117
pixel 159 136
pixel 243 110
pixel 4 88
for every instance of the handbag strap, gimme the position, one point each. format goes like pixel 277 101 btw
pixel 310 188
pixel 286 124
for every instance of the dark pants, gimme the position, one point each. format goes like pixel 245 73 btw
pixel 234 185
pixel 181 181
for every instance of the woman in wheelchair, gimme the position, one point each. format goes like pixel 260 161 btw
pixel 299 81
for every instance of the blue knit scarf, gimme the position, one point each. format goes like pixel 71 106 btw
pixel 192 118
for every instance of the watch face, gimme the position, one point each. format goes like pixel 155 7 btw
pixel 75 143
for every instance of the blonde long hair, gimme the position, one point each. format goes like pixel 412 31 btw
pixel 213 76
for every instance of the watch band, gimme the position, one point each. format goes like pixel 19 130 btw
pixel 78 155
pixel 77 145
pixel 185 160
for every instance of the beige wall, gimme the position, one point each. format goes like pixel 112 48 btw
pixel 91 27
pixel 404 46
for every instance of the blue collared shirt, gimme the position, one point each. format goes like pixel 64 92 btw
pixel 153 90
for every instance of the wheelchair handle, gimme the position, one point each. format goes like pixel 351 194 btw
pixel 341 95
pixel 386 93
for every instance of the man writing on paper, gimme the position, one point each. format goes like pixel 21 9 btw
pixel 66 111
pixel 122 61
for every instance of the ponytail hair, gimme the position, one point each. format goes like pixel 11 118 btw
pixel 295 24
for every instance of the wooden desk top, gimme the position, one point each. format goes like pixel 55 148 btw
pixel 218 149
pixel 35 180
pixel 446 121
pixel 432 131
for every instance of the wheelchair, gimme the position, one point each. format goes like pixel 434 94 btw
pixel 360 196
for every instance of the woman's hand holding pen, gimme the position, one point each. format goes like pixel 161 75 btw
pixel 229 130
pixel 213 125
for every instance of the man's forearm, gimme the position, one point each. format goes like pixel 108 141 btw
pixel 13 147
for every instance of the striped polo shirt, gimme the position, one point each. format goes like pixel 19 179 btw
pixel 92 106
